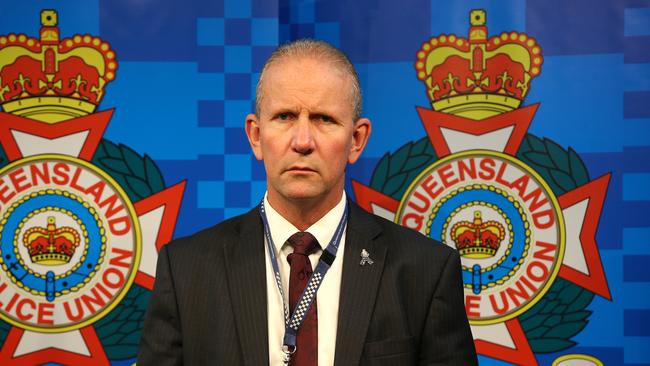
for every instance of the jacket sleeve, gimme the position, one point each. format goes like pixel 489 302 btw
pixel 446 338
pixel 161 342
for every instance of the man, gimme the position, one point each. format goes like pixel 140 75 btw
pixel 387 296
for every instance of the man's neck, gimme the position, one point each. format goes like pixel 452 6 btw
pixel 303 213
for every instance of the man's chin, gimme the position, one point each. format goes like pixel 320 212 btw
pixel 302 196
pixel 300 192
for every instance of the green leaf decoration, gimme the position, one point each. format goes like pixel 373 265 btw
pixel 116 165
pixel 577 168
pixel 153 175
pixel 398 159
pixel 111 148
pixel 137 175
pixel 563 170
pixel 572 293
pixel 4 330
pixel 560 330
pixel 541 159
pixel 417 162
pixel 395 172
pixel 547 345
pixel 3 158
pixel 120 329
pixel 558 155
pixel 557 317
pixel 578 315
pixel 561 314
pixel 139 186
pixel 420 146
pixel 396 182
pixel 582 300
pixel 562 179
pixel 132 160
pixel 380 174
pixel 536 144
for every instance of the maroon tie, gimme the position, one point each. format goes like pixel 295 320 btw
pixel 303 244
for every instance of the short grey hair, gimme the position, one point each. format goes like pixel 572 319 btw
pixel 319 50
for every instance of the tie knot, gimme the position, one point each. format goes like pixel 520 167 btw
pixel 303 243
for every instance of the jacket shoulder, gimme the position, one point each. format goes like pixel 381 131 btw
pixel 214 237
pixel 405 241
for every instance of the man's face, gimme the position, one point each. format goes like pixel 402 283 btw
pixel 305 132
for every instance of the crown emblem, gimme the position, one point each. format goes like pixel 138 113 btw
pixel 51 246
pixel 53 80
pixel 477 239
pixel 478 77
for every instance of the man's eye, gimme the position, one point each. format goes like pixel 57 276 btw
pixel 283 116
pixel 326 119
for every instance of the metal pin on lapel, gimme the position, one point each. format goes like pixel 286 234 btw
pixel 365 258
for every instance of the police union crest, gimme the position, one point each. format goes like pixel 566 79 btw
pixel 521 211
pixel 81 218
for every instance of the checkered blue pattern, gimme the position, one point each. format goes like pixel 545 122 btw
pixel 278 283
pixel 307 298
pixel 309 19
pixel 232 44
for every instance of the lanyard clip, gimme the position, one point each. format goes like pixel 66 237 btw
pixel 288 352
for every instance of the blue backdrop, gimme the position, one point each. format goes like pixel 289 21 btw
pixel 187 74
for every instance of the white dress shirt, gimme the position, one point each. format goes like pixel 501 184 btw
pixel 328 293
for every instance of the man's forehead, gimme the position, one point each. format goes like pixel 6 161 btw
pixel 306 75
pixel 303 66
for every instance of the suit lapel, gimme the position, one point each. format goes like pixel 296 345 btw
pixel 246 268
pixel 359 285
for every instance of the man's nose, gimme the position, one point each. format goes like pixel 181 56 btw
pixel 303 135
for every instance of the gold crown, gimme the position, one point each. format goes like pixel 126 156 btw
pixel 51 246
pixel 477 239
pixel 53 80
pixel 478 77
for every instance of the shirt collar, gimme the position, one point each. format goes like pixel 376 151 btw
pixel 323 230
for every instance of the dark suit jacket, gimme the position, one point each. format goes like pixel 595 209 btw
pixel 209 302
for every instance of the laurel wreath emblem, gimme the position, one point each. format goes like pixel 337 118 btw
pixel 137 175
pixel 559 315
pixel 119 331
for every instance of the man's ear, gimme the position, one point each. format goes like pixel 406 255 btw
pixel 253 132
pixel 360 135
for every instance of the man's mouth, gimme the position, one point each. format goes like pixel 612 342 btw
pixel 298 169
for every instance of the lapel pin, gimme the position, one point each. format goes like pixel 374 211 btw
pixel 365 258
